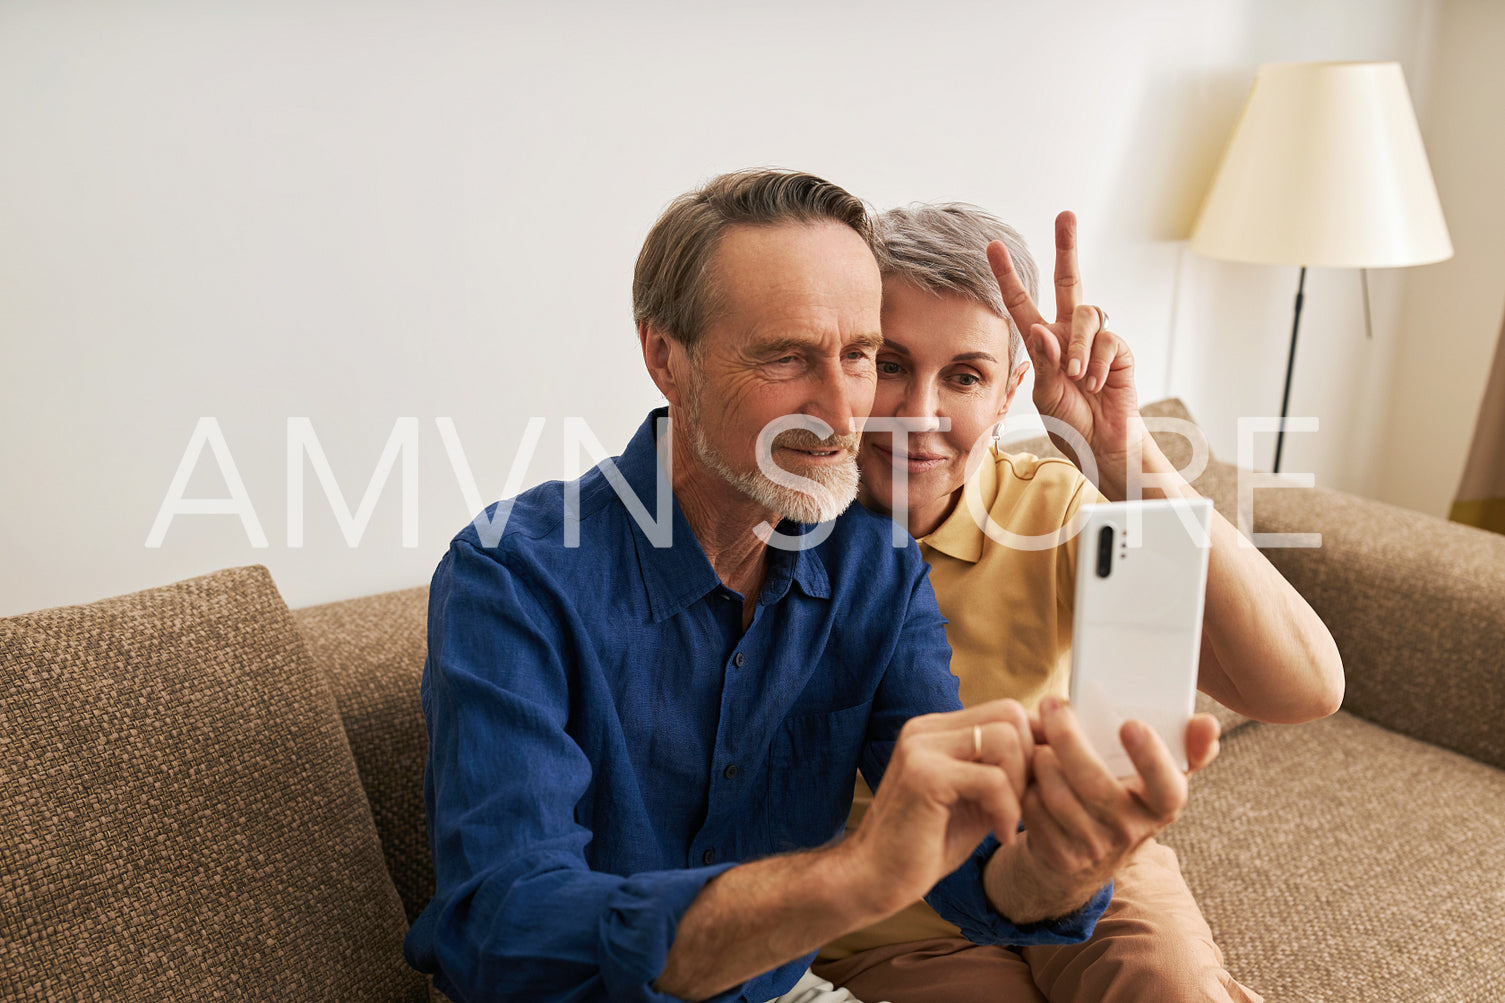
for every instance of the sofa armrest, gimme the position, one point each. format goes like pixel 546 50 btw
pixel 372 650
pixel 1416 605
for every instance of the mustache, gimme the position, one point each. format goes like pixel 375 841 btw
pixel 800 438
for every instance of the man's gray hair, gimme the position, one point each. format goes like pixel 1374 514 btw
pixel 942 247
pixel 673 287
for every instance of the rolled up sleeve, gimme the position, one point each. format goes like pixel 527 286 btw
pixel 961 899
pixel 638 925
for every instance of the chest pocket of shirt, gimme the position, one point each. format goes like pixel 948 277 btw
pixel 812 765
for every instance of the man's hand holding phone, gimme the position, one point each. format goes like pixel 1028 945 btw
pixel 952 779
pixel 1081 823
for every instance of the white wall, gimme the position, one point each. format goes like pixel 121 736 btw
pixel 1451 312
pixel 362 211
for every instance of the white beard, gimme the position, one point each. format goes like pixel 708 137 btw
pixel 835 487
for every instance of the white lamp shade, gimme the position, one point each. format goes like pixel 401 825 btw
pixel 1326 167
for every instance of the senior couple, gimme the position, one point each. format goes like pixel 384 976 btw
pixel 646 713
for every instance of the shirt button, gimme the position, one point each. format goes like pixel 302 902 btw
pixel 708 857
pixel 731 771
pixel 738 659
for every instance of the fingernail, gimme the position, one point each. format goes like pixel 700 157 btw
pixel 1074 368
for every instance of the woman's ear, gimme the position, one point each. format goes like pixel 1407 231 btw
pixel 1015 379
pixel 658 355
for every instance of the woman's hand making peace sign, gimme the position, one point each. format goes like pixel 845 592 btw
pixel 1084 373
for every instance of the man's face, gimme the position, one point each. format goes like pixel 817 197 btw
pixel 795 332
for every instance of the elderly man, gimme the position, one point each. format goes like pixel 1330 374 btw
pixel 643 734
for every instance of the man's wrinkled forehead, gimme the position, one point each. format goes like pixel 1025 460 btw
pixel 796 267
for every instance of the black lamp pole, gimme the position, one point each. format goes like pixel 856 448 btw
pixel 1285 398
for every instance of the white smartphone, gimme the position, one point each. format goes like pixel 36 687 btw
pixel 1136 635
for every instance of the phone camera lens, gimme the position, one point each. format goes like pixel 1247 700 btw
pixel 1104 551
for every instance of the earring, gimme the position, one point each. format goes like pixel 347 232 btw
pixel 998 437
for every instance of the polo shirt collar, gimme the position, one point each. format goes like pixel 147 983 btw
pixel 677 576
pixel 959 534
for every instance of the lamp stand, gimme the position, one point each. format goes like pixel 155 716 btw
pixel 1285 398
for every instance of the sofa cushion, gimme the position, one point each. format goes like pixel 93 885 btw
pixel 1340 861
pixel 183 816
pixel 372 650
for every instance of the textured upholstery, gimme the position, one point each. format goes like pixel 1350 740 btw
pixel 1339 861
pixel 183 818
pixel 1417 606
pixel 372 649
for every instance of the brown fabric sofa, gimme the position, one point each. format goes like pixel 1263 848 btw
pixel 209 795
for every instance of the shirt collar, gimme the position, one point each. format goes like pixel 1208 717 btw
pixel 674 577
pixel 800 567
pixel 959 535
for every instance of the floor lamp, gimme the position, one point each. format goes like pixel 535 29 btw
pixel 1325 168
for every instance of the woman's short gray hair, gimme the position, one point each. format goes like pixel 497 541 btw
pixel 942 247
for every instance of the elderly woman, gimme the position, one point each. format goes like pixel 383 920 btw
pixel 958 314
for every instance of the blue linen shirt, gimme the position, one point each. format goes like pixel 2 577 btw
pixel 604 737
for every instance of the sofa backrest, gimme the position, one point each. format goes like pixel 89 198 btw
pixel 372 651
pixel 183 818
pixel 1416 605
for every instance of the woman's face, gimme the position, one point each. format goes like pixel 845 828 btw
pixel 943 356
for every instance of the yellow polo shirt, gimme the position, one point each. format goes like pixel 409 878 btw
pixel 1007 596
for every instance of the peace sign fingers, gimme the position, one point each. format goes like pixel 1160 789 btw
pixel 1068 275
pixel 1015 297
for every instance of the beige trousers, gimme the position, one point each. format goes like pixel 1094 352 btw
pixel 1151 944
